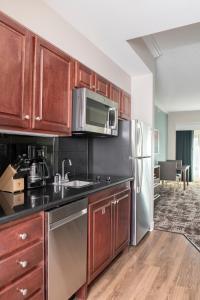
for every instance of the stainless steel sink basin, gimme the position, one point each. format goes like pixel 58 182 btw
pixel 75 184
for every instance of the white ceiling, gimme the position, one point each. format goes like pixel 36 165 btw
pixel 178 69
pixel 110 23
pixel 178 79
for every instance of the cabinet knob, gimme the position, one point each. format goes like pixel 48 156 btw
pixel 24 292
pixel 23 236
pixel 23 263
pixel 103 210
pixel 26 117
pixel 37 118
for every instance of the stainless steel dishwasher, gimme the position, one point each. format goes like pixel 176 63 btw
pixel 67 249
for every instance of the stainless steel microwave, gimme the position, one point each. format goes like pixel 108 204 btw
pixel 94 113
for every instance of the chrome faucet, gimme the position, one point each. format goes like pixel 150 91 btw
pixel 65 175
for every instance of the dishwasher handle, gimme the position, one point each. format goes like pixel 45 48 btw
pixel 68 219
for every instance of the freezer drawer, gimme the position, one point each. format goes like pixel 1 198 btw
pixel 141 200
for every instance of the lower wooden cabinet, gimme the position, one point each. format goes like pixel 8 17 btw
pixel 108 227
pixel 122 220
pixel 24 287
pixel 100 235
pixel 22 259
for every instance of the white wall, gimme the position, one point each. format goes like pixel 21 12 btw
pixel 143 98
pixel 187 120
pixel 139 46
pixel 42 20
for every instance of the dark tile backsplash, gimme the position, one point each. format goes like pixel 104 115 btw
pixel 58 148
pixel 76 149
pixel 13 145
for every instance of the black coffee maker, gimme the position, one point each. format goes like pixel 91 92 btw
pixel 38 169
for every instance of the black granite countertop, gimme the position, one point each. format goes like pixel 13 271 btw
pixel 15 206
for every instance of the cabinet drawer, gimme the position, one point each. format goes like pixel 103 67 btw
pixel 38 296
pixel 25 287
pixel 18 264
pixel 20 235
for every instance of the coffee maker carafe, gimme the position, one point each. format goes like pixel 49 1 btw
pixel 39 170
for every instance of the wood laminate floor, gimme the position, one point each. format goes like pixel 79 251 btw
pixel 164 266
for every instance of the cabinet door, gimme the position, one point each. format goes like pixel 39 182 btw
pixel 102 86
pixel 52 90
pixel 15 74
pixel 84 77
pixel 125 111
pixel 115 95
pixel 122 221
pixel 100 236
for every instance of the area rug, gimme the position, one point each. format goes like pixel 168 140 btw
pixel 179 211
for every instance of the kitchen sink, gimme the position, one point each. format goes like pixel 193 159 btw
pixel 75 184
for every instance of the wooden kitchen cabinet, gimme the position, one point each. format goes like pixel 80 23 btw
pixel 83 76
pixel 100 235
pixel 52 89
pixel 102 86
pixel 115 95
pixel 125 106
pixel 122 221
pixel 108 227
pixel 22 258
pixel 36 82
pixel 15 75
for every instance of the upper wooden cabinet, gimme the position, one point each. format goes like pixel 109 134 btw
pixel 36 82
pixel 102 86
pixel 52 88
pixel 115 95
pixel 15 74
pixel 83 76
pixel 125 106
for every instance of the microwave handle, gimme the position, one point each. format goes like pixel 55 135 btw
pixel 115 124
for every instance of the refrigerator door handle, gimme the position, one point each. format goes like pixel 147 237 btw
pixel 138 177
pixel 141 178
pixel 138 139
pixel 139 172
pixel 142 139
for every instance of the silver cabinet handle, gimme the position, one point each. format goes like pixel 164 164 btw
pixel 37 118
pixel 23 263
pixel 23 236
pixel 24 292
pixel 114 202
pixel 26 117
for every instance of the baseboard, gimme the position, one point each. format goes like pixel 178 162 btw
pixel 151 227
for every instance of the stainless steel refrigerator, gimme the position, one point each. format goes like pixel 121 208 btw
pixel 141 162
pixel 128 154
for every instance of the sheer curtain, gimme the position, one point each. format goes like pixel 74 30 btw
pixel 196 155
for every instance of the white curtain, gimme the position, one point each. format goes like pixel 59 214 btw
pixel 196 156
